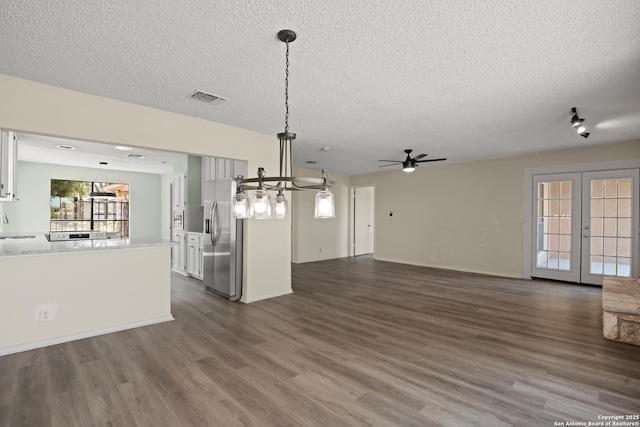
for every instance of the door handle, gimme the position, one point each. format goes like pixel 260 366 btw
pixel 213 216
pixel 585 235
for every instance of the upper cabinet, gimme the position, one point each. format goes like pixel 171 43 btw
pixel 218 168
pixel 179 191
pixel 187 184
pixel 8 161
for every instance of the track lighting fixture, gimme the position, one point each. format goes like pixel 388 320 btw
pixel 577 123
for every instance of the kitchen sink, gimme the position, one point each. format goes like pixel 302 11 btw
pixel 18 236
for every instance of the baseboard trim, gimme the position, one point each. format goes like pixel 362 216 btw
pixel 263 297
pixel 82 335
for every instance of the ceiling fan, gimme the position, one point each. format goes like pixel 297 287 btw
pixel 409 164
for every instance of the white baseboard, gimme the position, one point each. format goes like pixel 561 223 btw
pixel 73 337
pixel 263 297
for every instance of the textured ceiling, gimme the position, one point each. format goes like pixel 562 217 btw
pixel 461 79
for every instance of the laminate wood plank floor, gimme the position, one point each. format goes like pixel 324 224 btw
pixel 361 342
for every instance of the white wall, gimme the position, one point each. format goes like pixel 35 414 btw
pixel 86 299
pixel 320 239
pixel 31 213
pixel 42 109
pixel 465 216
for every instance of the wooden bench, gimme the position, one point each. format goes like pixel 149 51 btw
pixel 621 309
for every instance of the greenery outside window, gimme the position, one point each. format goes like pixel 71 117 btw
pixel 72 209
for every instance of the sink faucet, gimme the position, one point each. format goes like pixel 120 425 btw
pixel 3 215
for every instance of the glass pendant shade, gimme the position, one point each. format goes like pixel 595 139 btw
pixel 240 206
pixel 260 204
pixel 280 207
pixel 325 207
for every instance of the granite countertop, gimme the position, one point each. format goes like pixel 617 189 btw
pixel 39 245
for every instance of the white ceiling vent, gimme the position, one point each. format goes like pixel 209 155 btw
pixel 207 97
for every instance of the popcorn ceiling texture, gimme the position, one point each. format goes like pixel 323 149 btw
pixel 460 79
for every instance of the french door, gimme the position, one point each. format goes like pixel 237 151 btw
pixel 585 226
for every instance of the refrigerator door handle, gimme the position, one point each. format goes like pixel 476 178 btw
pixel 214 224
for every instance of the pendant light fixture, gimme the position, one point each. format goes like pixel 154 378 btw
pixel 102 194
pixel 260 204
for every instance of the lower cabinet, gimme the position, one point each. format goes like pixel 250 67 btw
pixel 194 255
pixel 179 252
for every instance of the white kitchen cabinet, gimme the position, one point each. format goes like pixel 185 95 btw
pixel 8 162
pixel 208 168
pixel 194 255
pixel 218 168
pixel 224 168
pixel 179 252
pixel 179 191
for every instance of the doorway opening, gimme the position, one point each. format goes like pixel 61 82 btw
pixel 363 221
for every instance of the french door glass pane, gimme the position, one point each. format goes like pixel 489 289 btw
pixel 611 227
pixel 554 225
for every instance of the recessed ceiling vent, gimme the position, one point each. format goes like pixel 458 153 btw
pixel 207 97
pixel 136 156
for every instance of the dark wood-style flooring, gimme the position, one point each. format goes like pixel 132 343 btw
pixel 361 342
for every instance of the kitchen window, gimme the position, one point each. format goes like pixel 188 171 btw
pixel 72 208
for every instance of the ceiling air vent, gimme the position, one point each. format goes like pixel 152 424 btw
pixel 207 97
pixel 136 156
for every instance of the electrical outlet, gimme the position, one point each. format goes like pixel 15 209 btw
pixel 45 316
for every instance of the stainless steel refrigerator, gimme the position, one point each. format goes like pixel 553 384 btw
pixel 222 254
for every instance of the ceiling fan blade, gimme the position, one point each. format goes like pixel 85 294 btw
pixel 419 156
pixel 400 161
pixel 430 160
pixel 391 164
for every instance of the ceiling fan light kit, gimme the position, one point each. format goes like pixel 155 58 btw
pixel 260 204
pixel 410 164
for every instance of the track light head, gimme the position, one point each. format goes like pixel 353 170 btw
pixel 576 121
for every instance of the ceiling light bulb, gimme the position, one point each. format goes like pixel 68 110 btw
pixel 409 169
pixel 280 206
pixel 581 129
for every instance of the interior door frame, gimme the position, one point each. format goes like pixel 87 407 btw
pixel 529 173
pixel 352 207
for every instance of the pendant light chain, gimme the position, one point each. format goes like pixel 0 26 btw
pixel 286 93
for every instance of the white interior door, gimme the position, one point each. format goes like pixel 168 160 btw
pixel 609 225
pixel 363 226
pixel 585 226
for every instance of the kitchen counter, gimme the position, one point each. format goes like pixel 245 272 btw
pixel 55 292
pixel 39 245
